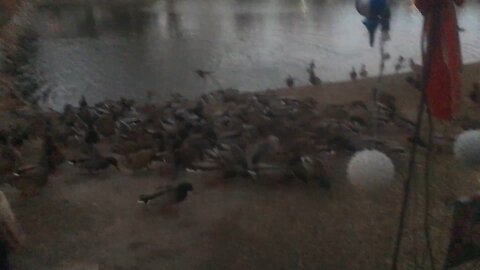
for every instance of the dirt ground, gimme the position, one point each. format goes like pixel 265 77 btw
pixel 90 223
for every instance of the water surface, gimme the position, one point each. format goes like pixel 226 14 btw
pixel 111 50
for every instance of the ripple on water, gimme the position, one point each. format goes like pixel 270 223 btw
pixel 112 50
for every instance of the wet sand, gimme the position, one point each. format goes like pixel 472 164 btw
pixel 84 222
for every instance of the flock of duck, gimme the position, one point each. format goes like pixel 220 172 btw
pixel 241 135
pixel 251 136
pixel 362 72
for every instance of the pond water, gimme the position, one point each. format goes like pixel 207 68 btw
pixel 111 50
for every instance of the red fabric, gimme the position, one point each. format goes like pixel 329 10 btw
pixel 442 63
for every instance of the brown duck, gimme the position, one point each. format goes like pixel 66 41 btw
pixel 139 160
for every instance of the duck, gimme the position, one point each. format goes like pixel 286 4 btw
pixel 83 102
pixel 54 155
pixel 353 74
pixel 359 104
pixel 86 117
pixel 306 168
pixel 91 136
pixel 234 163
pixel 203 73
pixel 188 153
pixel 363 71
pixel 95 163
pixel 149 94
pixel 168 196
pixel 68 116
pixel 341 143
pixel 313 78
pixel 18 135
pixel 358 121
pixel 414 82
pixel 29 179
pixel 387 103
pixel 246 161
pixel 399 65
pixel 316 171
pixel 106 125
pixel 139 160
pixel 290 81
pixel 418 141
pixel 475 93
pixel 255 153
pixel 125 147
pixel 416 68
pixel 9 159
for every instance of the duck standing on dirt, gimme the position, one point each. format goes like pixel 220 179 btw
pixel 139 160
pixel 95 163
pixel 83 102
pixel 353 74
pixel 290 81
pixel 29 179
pixel 313 78
pixel 53 154
pixel 9 158
pixel 168 196
pixel 363 71
pixel 399 64
pixel 307 168
pixel 91 136
pixel 475 93
pixel 416 68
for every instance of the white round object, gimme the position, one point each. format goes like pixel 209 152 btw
pixel 370 169
pixel 467 147
pixel 363 7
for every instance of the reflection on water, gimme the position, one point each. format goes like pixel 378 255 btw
pixel 111 50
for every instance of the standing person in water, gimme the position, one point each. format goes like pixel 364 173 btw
pixel 10 237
